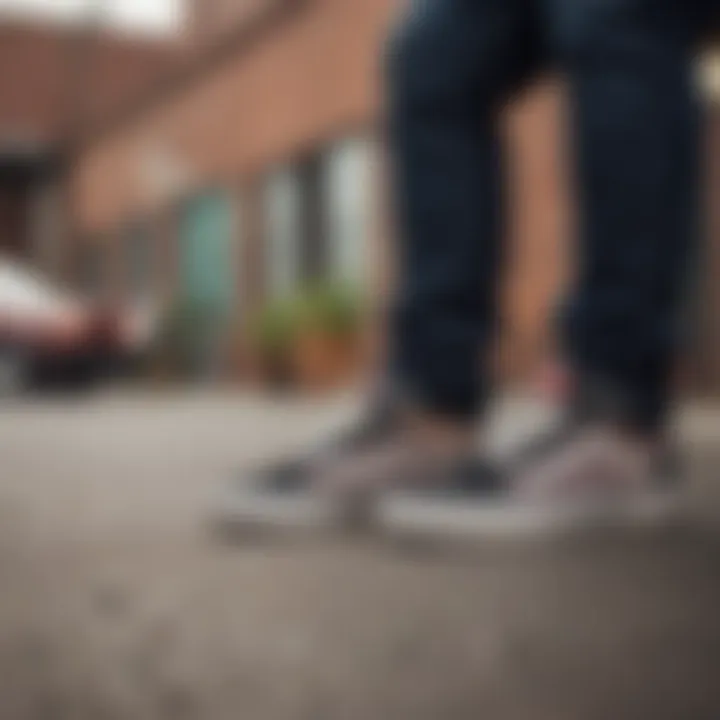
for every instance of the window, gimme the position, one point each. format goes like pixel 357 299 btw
pixel 283 218
pixel 47 226
pixel 314 235
pixel 91 268
pixel 318 219
pixel 348 187
pixel 139 259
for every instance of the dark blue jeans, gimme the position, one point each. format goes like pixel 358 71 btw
pixel 634 131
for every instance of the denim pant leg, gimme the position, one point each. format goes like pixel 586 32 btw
pixel 635 129
pixel 451 65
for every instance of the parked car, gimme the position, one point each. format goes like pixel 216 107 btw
pixel 52 337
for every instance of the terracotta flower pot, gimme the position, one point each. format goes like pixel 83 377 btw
pixel 322 361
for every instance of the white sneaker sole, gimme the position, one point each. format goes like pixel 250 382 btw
pixel 248 513
pixel 239 514
pixel 463 519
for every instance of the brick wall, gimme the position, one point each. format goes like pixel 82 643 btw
pixel 703 323
pixel 284 89
pixel 50 77
pixel 209 20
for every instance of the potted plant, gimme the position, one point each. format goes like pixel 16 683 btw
pixel 271 338
pixel 327 348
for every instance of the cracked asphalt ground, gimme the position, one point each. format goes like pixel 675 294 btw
pixel 116 602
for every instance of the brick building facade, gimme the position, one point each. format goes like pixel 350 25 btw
pixel 257 164
pixel 53 82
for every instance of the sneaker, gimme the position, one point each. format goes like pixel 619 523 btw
pixel 339 482
pixel 576 476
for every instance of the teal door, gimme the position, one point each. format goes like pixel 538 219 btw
pixel 208 278
pixel 207 253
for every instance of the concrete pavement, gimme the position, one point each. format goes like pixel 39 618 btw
pixel 116 602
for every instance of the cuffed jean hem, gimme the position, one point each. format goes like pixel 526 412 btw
pixel 462 405
pixel 599 396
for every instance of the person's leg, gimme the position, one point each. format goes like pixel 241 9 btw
pixel 451 66
pixel 636 141
pixel 629 64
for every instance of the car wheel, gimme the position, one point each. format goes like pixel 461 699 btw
pixel 13 372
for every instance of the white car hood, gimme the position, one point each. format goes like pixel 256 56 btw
pixel 26 296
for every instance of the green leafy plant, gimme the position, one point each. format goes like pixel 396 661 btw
pixel 331 309
pixel 274 329
pixel 334 310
